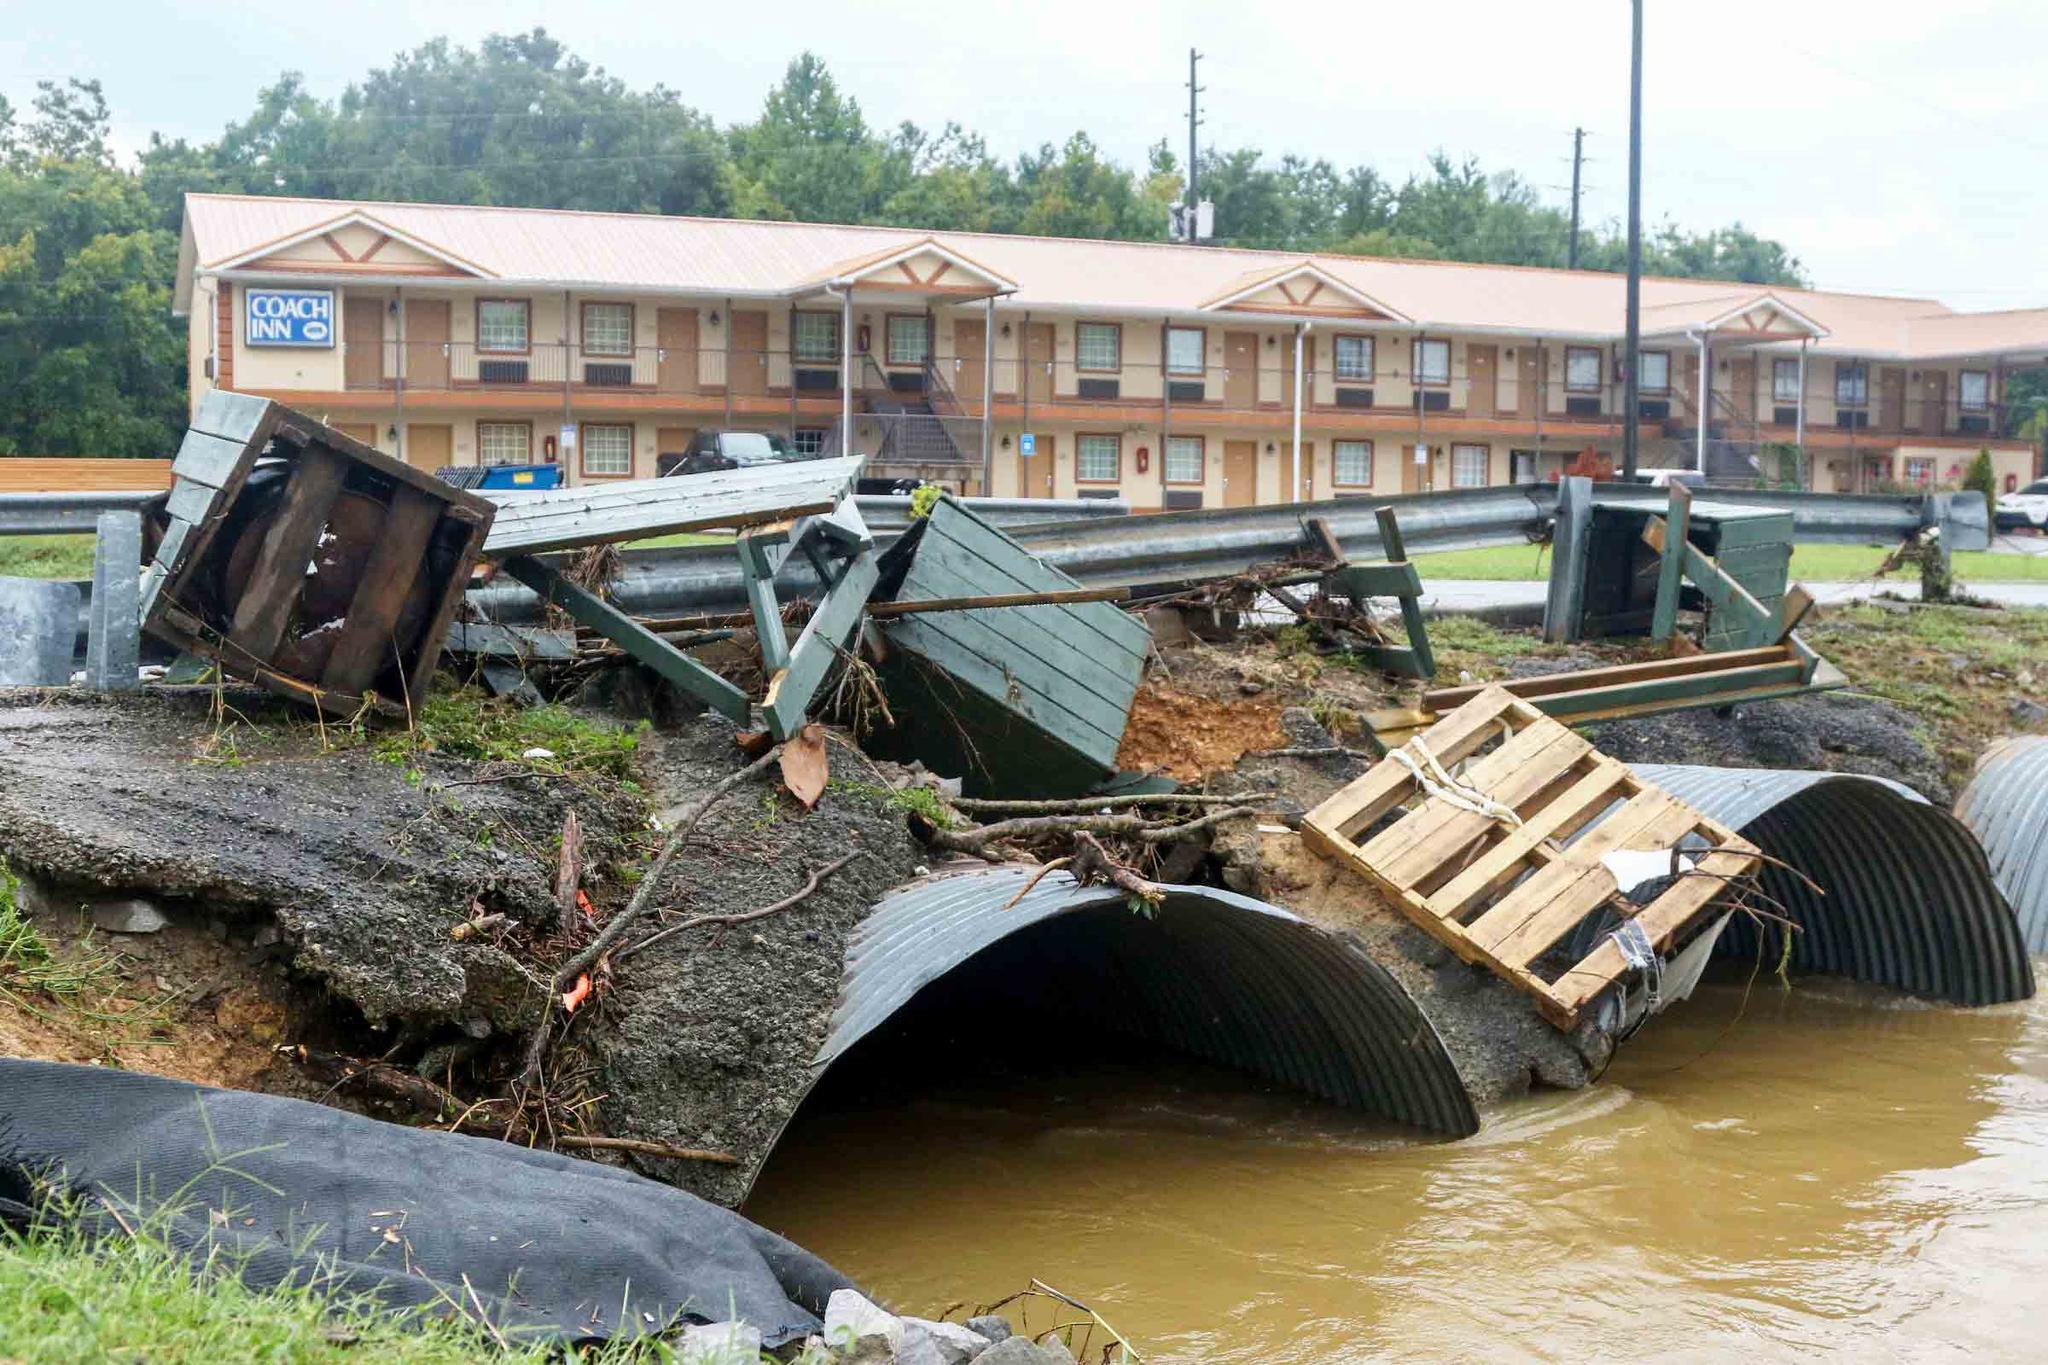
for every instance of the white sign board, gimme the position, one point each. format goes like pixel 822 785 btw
pixel 1422 454
pixel 288 317
pixel 1027 444
pixel 568 442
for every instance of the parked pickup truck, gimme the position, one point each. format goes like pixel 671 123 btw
pixel 710 450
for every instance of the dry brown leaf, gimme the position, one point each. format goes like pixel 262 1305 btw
pixel 804 765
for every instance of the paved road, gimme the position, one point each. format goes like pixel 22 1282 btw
pixel 1445 595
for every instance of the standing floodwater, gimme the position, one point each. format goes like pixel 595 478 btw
pixel 1836 1171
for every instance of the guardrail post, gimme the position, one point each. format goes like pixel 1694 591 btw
pixel 113 641
pixel 1565 605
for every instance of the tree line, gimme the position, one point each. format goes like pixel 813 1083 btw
pixel 92 363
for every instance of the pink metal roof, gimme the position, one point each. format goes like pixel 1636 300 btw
pixel 714 256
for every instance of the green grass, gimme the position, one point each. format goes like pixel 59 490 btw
pixel 465 723
pixel 680 538
pixel 1814 563
pixel 63 1300
pixel 46 556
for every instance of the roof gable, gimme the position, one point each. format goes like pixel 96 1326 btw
pixel 354 243
pixel 924 266
pixel 1303 289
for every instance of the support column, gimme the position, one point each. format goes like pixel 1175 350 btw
pixel 1799 418
pixel 845 372
pixel 1705 396
pixel 570 472
pixel 1294 489
pixel 988 397
pixel 398 381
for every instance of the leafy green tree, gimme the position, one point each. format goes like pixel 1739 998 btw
pixel 1980 477
pixel 90 361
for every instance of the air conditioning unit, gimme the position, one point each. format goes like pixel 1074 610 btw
pixel 1654 409
pixel 817 381
pixel 1354 398
pixel 1186 390
pixel 1098 388
pixel 1849 420
pixel 616 374
pixel 906 381
pixel 501 371
pixel 1785 417
pixel 1973 426
pixel 1582 407
pixel 1432 400
pixel 1183 499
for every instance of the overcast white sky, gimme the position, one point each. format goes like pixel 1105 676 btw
pixel 1896 148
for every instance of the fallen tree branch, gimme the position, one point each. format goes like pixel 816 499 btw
pixel 1170 833
pixel 1084 804
pixel 569 873
pixel 643 897
pixel 1138 827
pixel 810 885
pixel 1333 751
pixel 1092 862
pixel 578 1142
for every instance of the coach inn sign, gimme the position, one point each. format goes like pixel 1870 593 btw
pixel 288 317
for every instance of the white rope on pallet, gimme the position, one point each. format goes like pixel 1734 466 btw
pixel 1430 775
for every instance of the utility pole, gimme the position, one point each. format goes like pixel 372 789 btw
pixel 1194 121
pixel 1631 404
pixel 1578 160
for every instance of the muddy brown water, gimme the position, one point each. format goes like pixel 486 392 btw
pixel 1833 1172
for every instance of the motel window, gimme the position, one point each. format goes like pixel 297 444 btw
pixel 1098 459
pixel 1186 350
pixel 1653 371
pixel 1920 472
pixel 816 337
pixel 1432 361
pixel 1354 464
pixel 1852 384
pixel 909 338
pixel 1098 346
pixel 501 325
pixel 1582 369
pixel 1354 358
pixel 1183 459
pixel 809 441
pixel 1785 380
pixel 1973 390
pixel 1468 466
pixel 608 329
pixel 607 450
pixel 504 442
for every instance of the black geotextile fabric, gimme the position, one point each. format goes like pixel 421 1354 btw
pixel 549 1245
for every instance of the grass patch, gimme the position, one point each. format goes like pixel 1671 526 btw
pixel 1470 635
pixel 46 556
pixel 1956 670
pixel 1814 563
pixel 680 538
pixel 64 1299
pixel 919 801
pixel 467 723
pixel 26 962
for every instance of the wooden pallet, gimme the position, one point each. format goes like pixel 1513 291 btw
pixel 1505 895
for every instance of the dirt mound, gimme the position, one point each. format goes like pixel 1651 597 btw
pixel 1187 733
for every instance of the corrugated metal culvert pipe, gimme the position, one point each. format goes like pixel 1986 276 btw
pixel 2006 807
pixel 1909 903
pixel 1223 977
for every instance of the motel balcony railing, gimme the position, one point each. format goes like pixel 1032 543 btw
pixel 953 385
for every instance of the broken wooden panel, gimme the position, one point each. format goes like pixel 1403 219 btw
pixel 303 560
pixel 1018 699
pixel 735 499
pixel 1503 861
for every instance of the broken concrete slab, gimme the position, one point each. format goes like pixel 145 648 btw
pixel 129 915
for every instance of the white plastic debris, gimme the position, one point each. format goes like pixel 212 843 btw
pixel 537 752
pixel 720 1343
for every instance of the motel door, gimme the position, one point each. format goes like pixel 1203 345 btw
pixel 1240 473
pixel 362 343
pixel 749 352
pixel 970 361
pixel 1528 379
pixel 429 446
pixel 1038 364
pixel 426 343
pixel 1482 379
pixel 1034 472
pixel 1934 402
pixel 1240 370
pixel 675 336
pixel 1742 388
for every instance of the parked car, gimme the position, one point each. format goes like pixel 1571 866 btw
pixel 2028 507
pixel 713 449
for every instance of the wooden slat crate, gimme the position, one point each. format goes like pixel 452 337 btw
pixel 305 561
pixel 1505 895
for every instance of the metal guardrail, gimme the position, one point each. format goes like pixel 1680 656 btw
pixel 59 514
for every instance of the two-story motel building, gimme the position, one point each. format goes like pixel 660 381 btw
pixel 1168 375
